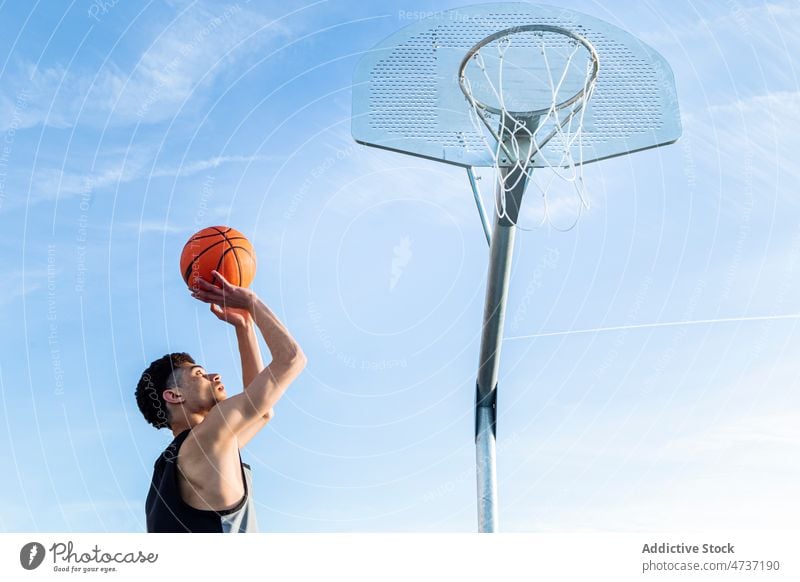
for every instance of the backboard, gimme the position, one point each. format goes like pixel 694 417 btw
pixel 406 94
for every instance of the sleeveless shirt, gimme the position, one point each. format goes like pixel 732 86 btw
pixel 167 512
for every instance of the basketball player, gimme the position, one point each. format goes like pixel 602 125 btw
pixel 199 482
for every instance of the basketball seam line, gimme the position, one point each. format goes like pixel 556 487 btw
pixel 194 260
pixel 236 258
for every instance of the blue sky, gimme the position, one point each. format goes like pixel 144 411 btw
pixel 128 127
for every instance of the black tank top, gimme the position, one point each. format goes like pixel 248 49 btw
pixel 168 513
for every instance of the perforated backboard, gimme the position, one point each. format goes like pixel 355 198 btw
pixel 406 95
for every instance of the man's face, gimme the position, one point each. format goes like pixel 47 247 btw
pixel 201 390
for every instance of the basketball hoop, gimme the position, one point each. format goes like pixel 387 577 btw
pixel 539 78
pixel 535 98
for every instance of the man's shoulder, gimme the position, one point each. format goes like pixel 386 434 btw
pixel 171 451
pixel 203 444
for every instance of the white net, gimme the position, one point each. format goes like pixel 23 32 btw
pixel 527 88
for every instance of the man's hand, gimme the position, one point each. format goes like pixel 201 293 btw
pixel 238 318
pixel 227 297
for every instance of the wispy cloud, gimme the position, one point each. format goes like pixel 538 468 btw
pixel 186 55
pixel 197 166
pixel 358 177
pixel 703 479
pixel 769 431
pixel 154 227
pixel 51 183
pixel 754 136
pixel 28 281
pixel 733 16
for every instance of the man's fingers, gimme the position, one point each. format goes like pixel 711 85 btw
pixel 213 293
pixel 206 284
pixel 210 293
pixel 223 280
pixel 206 297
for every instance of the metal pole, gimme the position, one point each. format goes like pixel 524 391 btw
pixel 502 248
pixel 479 203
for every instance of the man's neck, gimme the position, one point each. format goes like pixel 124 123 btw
pixel 186 423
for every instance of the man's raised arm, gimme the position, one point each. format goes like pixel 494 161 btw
pixel 288 360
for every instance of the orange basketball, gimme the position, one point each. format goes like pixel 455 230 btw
pixel 219 248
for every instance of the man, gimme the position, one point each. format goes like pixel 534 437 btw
pixel 199 482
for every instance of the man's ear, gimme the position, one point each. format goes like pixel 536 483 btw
pixel 173 396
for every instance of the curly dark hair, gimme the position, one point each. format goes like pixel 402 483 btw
pixel 150 390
